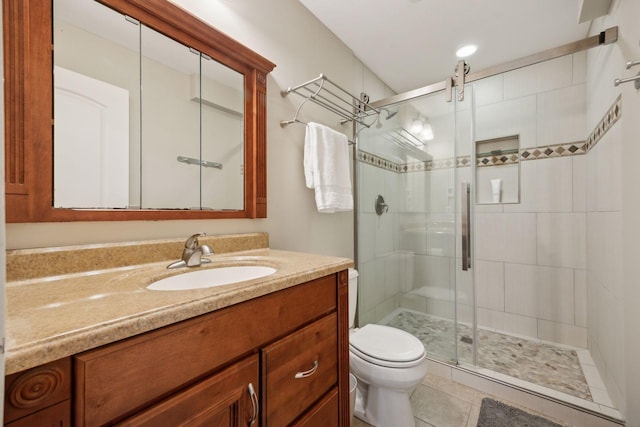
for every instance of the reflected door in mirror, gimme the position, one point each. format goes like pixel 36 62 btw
pixel 91 168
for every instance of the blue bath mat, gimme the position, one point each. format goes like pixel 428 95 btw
pixel 498 414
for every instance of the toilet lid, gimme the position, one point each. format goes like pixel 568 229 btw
pixel 386 346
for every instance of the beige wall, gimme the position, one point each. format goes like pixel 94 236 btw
pixel 613 209
pixel 302 48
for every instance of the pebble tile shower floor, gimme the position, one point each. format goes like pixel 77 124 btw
pixel 551 366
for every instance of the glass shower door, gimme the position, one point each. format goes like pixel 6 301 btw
pixel 407 204
pixel 466 337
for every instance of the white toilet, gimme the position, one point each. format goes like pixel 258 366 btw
pixel 388 363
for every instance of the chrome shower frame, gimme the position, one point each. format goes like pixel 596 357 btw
pixel 608 36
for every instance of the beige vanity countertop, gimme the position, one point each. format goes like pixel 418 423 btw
pixel 53 317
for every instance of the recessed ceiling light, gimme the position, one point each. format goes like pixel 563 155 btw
pixel 467 50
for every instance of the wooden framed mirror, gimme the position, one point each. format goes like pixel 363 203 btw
pixel 30 122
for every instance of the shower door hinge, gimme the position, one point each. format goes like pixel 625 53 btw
pixel 461 70
pixel 362 104
pixel 448 93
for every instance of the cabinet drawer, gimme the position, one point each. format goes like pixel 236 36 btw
pixel 298 370
pixel 324 414
pixel 215 401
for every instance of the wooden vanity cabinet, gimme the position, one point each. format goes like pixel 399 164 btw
pixel 202 370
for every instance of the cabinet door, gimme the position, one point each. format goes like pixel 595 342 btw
pixel 227 398
pixel 298 370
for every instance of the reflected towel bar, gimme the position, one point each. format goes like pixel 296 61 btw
pixel 204 163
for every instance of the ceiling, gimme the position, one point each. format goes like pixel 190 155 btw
pixel 412 43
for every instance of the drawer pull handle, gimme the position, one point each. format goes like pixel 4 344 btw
pixel 308 373
pixel 254 405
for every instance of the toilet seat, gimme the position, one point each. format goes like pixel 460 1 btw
pixel 387 346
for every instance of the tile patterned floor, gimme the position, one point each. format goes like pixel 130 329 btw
pixel 544 364
pixel 439 402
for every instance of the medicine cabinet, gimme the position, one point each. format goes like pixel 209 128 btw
pixel 130 110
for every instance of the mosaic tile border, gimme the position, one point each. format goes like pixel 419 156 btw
pixel 534 153
pixel 509 159
pixel 550 151
pixel 576 148
pixel 610 118
pixel 382 163
pixel 379 162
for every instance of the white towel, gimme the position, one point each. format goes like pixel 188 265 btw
pixel 326 168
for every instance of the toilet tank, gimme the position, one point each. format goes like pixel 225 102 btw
pixel 353 296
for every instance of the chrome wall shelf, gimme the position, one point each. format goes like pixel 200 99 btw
pixel 327 94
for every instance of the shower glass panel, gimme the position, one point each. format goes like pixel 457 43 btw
pixel 407 249
pixel 530 256
pixel 466 337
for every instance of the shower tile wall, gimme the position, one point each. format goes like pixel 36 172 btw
pixel 383 270
pixel 530 257
pixel 604 279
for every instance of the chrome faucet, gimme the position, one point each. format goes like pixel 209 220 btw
pixel 192 255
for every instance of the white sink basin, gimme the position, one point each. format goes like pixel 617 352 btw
pixel 211 277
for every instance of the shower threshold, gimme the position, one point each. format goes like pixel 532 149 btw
pixel 558 372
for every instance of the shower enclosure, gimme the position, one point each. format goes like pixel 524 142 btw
pixel 471 223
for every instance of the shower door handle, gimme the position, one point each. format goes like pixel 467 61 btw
pixel 465 222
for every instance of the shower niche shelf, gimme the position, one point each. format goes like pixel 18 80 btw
pixel 498 170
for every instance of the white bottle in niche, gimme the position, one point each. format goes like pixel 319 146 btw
pixel 496 185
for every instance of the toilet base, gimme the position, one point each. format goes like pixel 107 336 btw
pixel 384 407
